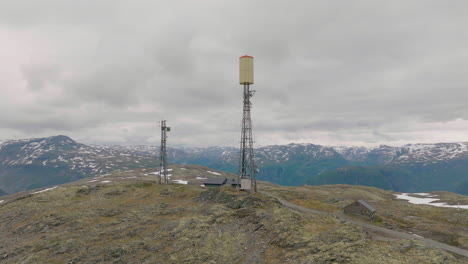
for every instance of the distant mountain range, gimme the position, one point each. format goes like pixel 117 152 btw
pixel 33 163
pixel 291 164
pixel 411 168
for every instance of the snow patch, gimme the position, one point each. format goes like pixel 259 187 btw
pixel 45 190
pixel 201 178
pixel 92 181
pixel 427 201
pixel 1 201
pixel 105 181
pixel 180 181
pixel 212 172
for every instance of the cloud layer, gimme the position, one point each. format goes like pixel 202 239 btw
pixel 326 72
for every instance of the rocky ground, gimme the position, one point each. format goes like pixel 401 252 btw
pixel 125 217
pixel 446 225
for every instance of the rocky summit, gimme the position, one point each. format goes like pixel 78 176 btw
pixel 125 217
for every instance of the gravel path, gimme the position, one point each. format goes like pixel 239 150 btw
pixel 390 232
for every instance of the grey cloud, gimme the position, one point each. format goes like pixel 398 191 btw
pixel 37 76
pixel 359 72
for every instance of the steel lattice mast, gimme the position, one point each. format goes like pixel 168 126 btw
pixel 163 154
pixel 247 167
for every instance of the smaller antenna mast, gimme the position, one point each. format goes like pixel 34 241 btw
pixel 163 177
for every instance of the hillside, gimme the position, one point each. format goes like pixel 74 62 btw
pixel 411 168
pixel 462 188
pixel 34 163
pixel 124 217
pixel 368 156
pixel 291 164
pixel 447 225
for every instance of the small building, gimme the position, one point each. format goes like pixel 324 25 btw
pixel 360 207
pixel 218 182
pixel 215 182
pixel 233 182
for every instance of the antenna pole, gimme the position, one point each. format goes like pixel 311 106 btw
pixel 163 177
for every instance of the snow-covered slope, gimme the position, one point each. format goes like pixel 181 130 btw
pixel 35 162
pixel 369 156
pixel 408 154
pixel 263 155
pixel 290 152
pixel 431 153
pixel 62 151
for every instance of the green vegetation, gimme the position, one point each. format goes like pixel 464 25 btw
pixel 298 170
pixel 382 178
pixel 462 188
pixel 397 178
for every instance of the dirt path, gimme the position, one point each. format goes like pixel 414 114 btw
pixel 390 232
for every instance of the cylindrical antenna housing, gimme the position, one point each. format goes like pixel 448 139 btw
pixel 246 75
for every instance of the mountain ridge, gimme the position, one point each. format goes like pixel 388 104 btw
pixel 38 162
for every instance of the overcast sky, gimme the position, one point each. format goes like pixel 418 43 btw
pixel 326 72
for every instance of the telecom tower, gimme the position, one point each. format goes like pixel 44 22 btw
pixel 163 154
pixel 247 167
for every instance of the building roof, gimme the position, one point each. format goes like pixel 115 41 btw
pixel 215 181
pixel 372 209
